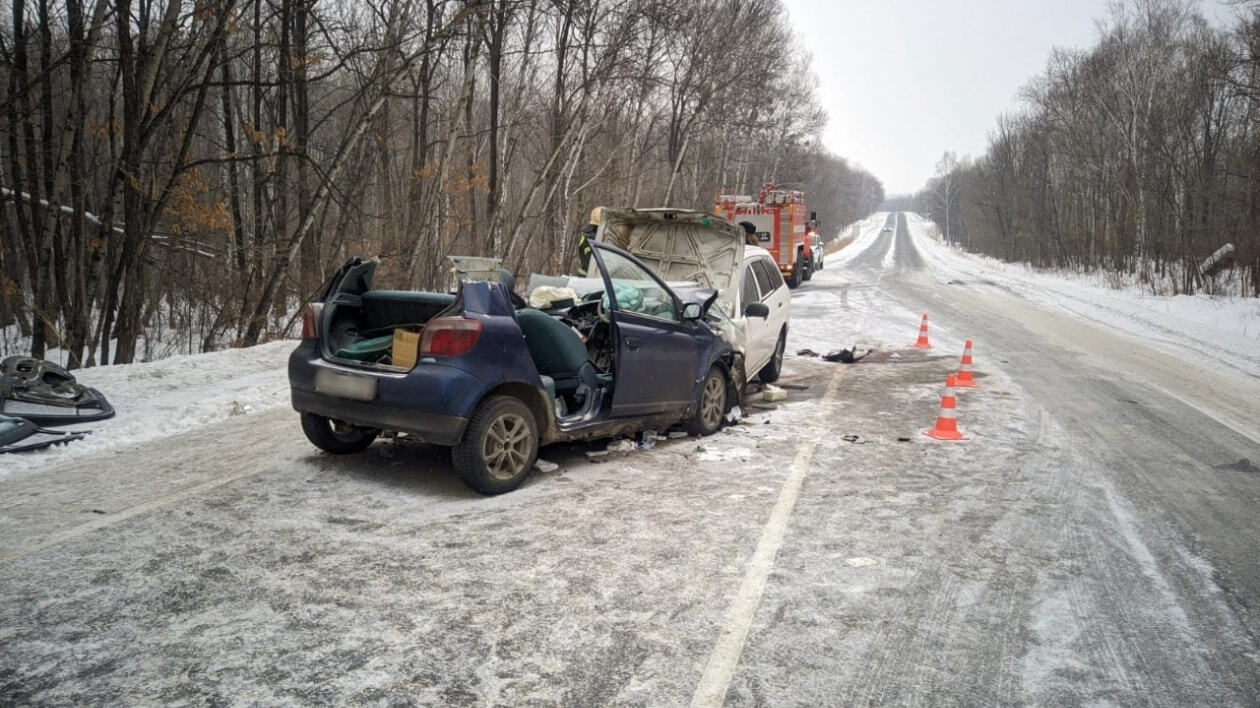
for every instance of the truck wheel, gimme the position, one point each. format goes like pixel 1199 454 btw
pixel 794 280
pixel 335 436
pixel 712 404
pixel 805 266
pixel 770 372
pixel 499 447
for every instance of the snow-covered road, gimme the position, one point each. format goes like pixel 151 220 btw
pixel 1093 542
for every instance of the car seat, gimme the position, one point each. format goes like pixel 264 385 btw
pixel 559 353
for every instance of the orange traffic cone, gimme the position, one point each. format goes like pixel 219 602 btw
pixel 922 342
pixel 964 379
pixel 946 425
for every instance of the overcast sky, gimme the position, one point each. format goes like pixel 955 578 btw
pixel 905 80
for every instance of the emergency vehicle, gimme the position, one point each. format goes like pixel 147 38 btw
pixel 782 224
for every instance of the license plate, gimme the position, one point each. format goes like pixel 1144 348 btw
pixel 356 388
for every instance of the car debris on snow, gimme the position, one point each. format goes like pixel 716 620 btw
pixel 847 356
pixel 773 393
pixel 21 435
pixel 46 394
pixel 545 466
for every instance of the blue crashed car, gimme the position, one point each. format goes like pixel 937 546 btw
pixel 494 380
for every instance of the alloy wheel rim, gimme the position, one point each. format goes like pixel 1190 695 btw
pixel 711 407
pixel 506 446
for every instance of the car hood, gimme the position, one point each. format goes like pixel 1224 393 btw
pixel 679 244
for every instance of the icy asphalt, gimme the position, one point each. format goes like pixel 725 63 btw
pixel 1093 542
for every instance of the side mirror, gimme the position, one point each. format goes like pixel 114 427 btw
pixel 757 309
pixel 691 311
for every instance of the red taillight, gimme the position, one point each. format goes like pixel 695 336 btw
pixel 449 336
pixel 310 319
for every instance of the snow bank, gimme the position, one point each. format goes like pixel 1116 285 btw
pixel 1223 329
pixel 171 396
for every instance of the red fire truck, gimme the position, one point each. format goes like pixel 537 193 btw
pixel 778 217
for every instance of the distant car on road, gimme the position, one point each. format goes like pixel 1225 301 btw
pixel 886 230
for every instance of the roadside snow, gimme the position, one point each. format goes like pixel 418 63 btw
pixel 1191 326
pixel 171 396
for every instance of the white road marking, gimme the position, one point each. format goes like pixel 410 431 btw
pixel 730 642
pixel 111 519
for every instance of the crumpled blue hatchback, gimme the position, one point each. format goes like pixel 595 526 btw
pixel 610 351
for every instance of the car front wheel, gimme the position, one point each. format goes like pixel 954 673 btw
pixel 335 436
pixel 770 372
pixel 712 404
pixel 499 447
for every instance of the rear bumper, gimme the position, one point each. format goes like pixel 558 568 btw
pixel 432 402
pixel 428 427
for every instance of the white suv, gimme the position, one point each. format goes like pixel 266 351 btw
pixel 816 247
pixel 763 306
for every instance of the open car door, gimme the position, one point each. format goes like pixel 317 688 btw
pixel 657 353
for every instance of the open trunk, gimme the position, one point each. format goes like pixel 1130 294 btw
pixel 359 326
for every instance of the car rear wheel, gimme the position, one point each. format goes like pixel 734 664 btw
pixel 335 436
pixel 499 447
pixel 808 266
pixel 770 372
pixel 712 404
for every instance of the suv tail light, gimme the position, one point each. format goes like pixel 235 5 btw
pixel 310 320
pixel 449 336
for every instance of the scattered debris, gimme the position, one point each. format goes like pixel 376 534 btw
pixel 763 407
pixel 807 352
pixel 544 466
pixel 847 356
pixel 855 439
pixel 21 435
pixel 903 439
pixel 622 445
pixel 794 387
pixel 734 415
pixel 675 434
pixel 46 394
pixel 773 393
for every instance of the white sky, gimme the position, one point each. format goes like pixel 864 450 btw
pixel 905 80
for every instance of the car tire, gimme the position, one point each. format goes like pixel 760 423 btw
pixel 712 406
pixel 770 372
pixel 499 447
pixel 335 437
pixel 807 271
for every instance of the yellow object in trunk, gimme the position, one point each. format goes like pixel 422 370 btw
pixel 405 348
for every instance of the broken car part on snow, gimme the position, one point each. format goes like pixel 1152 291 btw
pixel 46 394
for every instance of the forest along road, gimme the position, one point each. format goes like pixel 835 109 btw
pixel 1091 542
